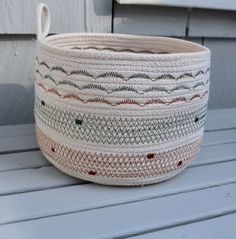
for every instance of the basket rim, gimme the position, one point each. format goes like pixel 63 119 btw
pixel 81 53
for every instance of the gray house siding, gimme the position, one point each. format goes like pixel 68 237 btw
pixel 212 28
pixel 18 46
pixel 215 29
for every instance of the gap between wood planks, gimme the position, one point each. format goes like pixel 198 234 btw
pixel 200 219
pixel 130 202
pixel 132 198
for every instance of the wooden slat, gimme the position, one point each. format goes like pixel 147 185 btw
pixel 16 161
pixel 149 20
pixel 128 219
pixel 25 142
pixel 208 23
pixel 215 154
pixel 17 130
pixel 223 72
pixel 221 119
pixel 219 137
pixel 91 196
pixel 224 113
pixel 67 16
pixel 34 179
pixel 217 228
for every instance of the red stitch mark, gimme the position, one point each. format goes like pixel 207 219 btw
pixel 53 149
pixel 92 173
pixel 151 156
pixel 179 163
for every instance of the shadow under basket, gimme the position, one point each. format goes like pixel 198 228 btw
pixel 119 109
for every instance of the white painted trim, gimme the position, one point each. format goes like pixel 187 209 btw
pixel 210 4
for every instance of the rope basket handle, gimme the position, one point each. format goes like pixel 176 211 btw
pixel 42 11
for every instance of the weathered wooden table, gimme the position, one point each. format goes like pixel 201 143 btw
pixel 38 201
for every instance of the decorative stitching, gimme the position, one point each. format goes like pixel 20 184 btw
pixel 121 102
pixel 122 88
pixel 117 50
pixel 118 75
pixel 125 165
pixel 119 130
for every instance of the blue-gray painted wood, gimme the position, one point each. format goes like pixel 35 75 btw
pixel 18 51
pixel 66 16
pixel 209 23
pixel 17 81
pixel 130 218
pixel 223 72
pixel 217 228
pixel 210 4
pixel 149 20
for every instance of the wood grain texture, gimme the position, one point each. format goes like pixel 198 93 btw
pixel 149 20
pixel 67 16
pixel 209 23
pixel 223 72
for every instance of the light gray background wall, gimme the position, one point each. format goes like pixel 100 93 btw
pixel 213 28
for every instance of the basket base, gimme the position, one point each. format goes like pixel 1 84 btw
pixel 116 181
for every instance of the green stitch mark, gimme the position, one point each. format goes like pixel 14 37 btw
pixel 79 121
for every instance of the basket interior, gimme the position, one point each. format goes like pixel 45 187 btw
pixel 122 43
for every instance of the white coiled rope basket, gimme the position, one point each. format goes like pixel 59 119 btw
pixel 119 109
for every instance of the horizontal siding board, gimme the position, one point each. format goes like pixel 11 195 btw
pixel 209 4
pixel 2 17
pixel 209 23
pixel 223 72
pixel 17 81
pixel 67 16
pixel 149 20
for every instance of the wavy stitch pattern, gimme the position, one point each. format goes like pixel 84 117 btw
pixel 120 76
pixel 122 88
pixel 116 50
pixel 122 102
